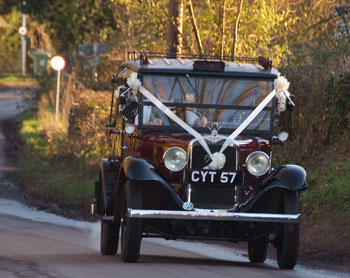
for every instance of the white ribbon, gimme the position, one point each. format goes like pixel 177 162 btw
pixel 218 158
pixel 281 90
pixel 175 118
pixel 248 120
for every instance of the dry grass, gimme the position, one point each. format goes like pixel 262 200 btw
pixel 62 157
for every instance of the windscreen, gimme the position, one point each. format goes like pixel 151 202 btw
pixel 201 100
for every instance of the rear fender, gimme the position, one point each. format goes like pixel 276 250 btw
pixel 106 185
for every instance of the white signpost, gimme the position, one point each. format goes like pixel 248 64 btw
pixel 23 31
pixel 57 63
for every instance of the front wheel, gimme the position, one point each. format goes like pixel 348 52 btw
pixel 131 228
pixel 257 251
pixel 287 247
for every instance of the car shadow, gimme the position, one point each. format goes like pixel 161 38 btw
pixel 157 259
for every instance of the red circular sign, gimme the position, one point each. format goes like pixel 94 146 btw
pixel 57 63
pixel 23 31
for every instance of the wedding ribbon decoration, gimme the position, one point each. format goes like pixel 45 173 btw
pixel 248 120
pixel 280 91
pixel 282 85
pixel 134 83
pixel 218 158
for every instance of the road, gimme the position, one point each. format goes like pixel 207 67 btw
pixel 12 101
pixel 37 244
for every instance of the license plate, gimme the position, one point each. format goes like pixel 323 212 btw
pixel 213 177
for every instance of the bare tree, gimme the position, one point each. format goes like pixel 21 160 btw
pixel 222 29
pixel 235 31
pixel 195 28
pixel 175 27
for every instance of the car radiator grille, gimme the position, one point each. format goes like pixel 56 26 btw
pixel 211 196
pixel 200 158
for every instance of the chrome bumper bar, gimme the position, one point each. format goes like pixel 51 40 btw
pixel 214 215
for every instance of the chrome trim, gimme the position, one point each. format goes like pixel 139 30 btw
pixel 263 153
pixel 171 148
pixel 215 215
pixel 93 209
pixel 189 191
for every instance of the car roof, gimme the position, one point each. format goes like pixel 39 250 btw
pixel 178 66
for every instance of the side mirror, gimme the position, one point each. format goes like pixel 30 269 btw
pixel 280 138
pixel 123 91
pixel 290 106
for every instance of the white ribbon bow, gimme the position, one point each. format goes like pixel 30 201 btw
pixel 282 85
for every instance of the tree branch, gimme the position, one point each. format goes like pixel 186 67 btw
pixel 235 32
pixel 223 19
pixel 174 24
pixel 195 28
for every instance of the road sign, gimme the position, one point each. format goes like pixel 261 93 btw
pixel 23 31
pixel 94 61
pixel 91 48
pixel 57 63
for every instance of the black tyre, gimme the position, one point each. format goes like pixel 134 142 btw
pixel 257 251
pixel 287 247
pixel 131 228
pixel 109 237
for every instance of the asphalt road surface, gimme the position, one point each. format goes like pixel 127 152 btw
pixel 38 244
pixel 12 101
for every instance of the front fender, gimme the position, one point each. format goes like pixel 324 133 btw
pixel 291 177
pixel 287 177
pixel 139 169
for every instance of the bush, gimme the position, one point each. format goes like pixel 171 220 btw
pixel 61 157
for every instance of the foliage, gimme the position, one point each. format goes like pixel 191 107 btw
pixel 330 193
pixel 7 5
pixel 61 157
pixel 337 100
pixel 319 134
pixel 287 31
pixel 71 22
pixel 10 43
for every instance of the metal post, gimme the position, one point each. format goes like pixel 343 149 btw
pixel 58 94
pixel 23 47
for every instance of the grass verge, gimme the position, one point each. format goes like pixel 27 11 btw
pixel 17 79
pixel 329 192
pixel 61 179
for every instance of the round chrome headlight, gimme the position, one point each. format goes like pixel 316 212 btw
pixel 175 159
pixel 258 163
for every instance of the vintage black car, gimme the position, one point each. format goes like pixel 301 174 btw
pixel 191 156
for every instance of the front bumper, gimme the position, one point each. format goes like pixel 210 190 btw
pixel 218 215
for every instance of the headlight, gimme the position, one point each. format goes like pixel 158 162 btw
pixel 175 159
pixel 258 163
pixel 129 129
